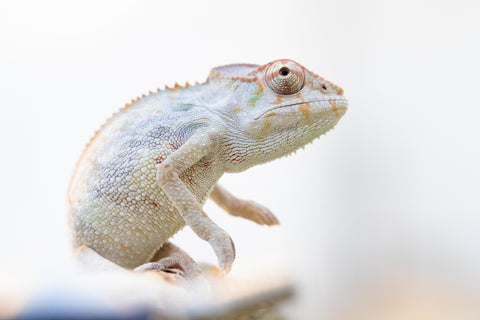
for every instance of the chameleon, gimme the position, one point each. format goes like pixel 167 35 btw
pixel 149 169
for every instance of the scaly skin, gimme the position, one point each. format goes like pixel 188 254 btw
pixel 148 171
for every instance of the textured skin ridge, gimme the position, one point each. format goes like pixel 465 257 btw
pixel 148 170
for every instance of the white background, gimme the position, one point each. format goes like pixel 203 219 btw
pixel 394 187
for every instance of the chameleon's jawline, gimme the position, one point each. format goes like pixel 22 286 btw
pixel 300 103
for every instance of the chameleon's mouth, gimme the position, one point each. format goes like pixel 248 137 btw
pixel 335 104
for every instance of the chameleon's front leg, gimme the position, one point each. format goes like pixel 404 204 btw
pixel 168 172
pixel 242 208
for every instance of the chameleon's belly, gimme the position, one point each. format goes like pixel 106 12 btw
pixel 116 206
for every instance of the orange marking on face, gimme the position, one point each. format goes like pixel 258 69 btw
pixel 260 88
pixel 304 108
pixel 298 95
pixel 155 204
pixel 334 107
pixel 159 160
pixel 159 111
pixel 190 180
pixel 278 100
pixel 237 110
pixel 269 114
pixel 340 91
pixel 267 125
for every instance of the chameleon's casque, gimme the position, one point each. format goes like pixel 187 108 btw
pixel 148 171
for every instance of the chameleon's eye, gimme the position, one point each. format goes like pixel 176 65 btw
pixel 285 77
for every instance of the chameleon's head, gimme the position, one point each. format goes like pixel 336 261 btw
pixel 281 106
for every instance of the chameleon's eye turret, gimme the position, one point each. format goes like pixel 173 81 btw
pixel 285 77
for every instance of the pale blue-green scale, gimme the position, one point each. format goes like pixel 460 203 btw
pixel 254 94
pixel 185 107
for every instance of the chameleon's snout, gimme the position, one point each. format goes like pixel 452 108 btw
pixel 339 106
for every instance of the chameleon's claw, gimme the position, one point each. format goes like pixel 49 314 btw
pixel 224 249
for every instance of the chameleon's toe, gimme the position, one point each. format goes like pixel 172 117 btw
pixel 175 264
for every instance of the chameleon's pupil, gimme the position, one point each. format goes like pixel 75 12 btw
pixel 284 71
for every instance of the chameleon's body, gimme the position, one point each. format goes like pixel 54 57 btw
pixel 150 168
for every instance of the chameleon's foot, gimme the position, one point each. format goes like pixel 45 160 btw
pixel 257 213
pixel 172 259
pixel 176 264
pixel 224 249
pixel 243 208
